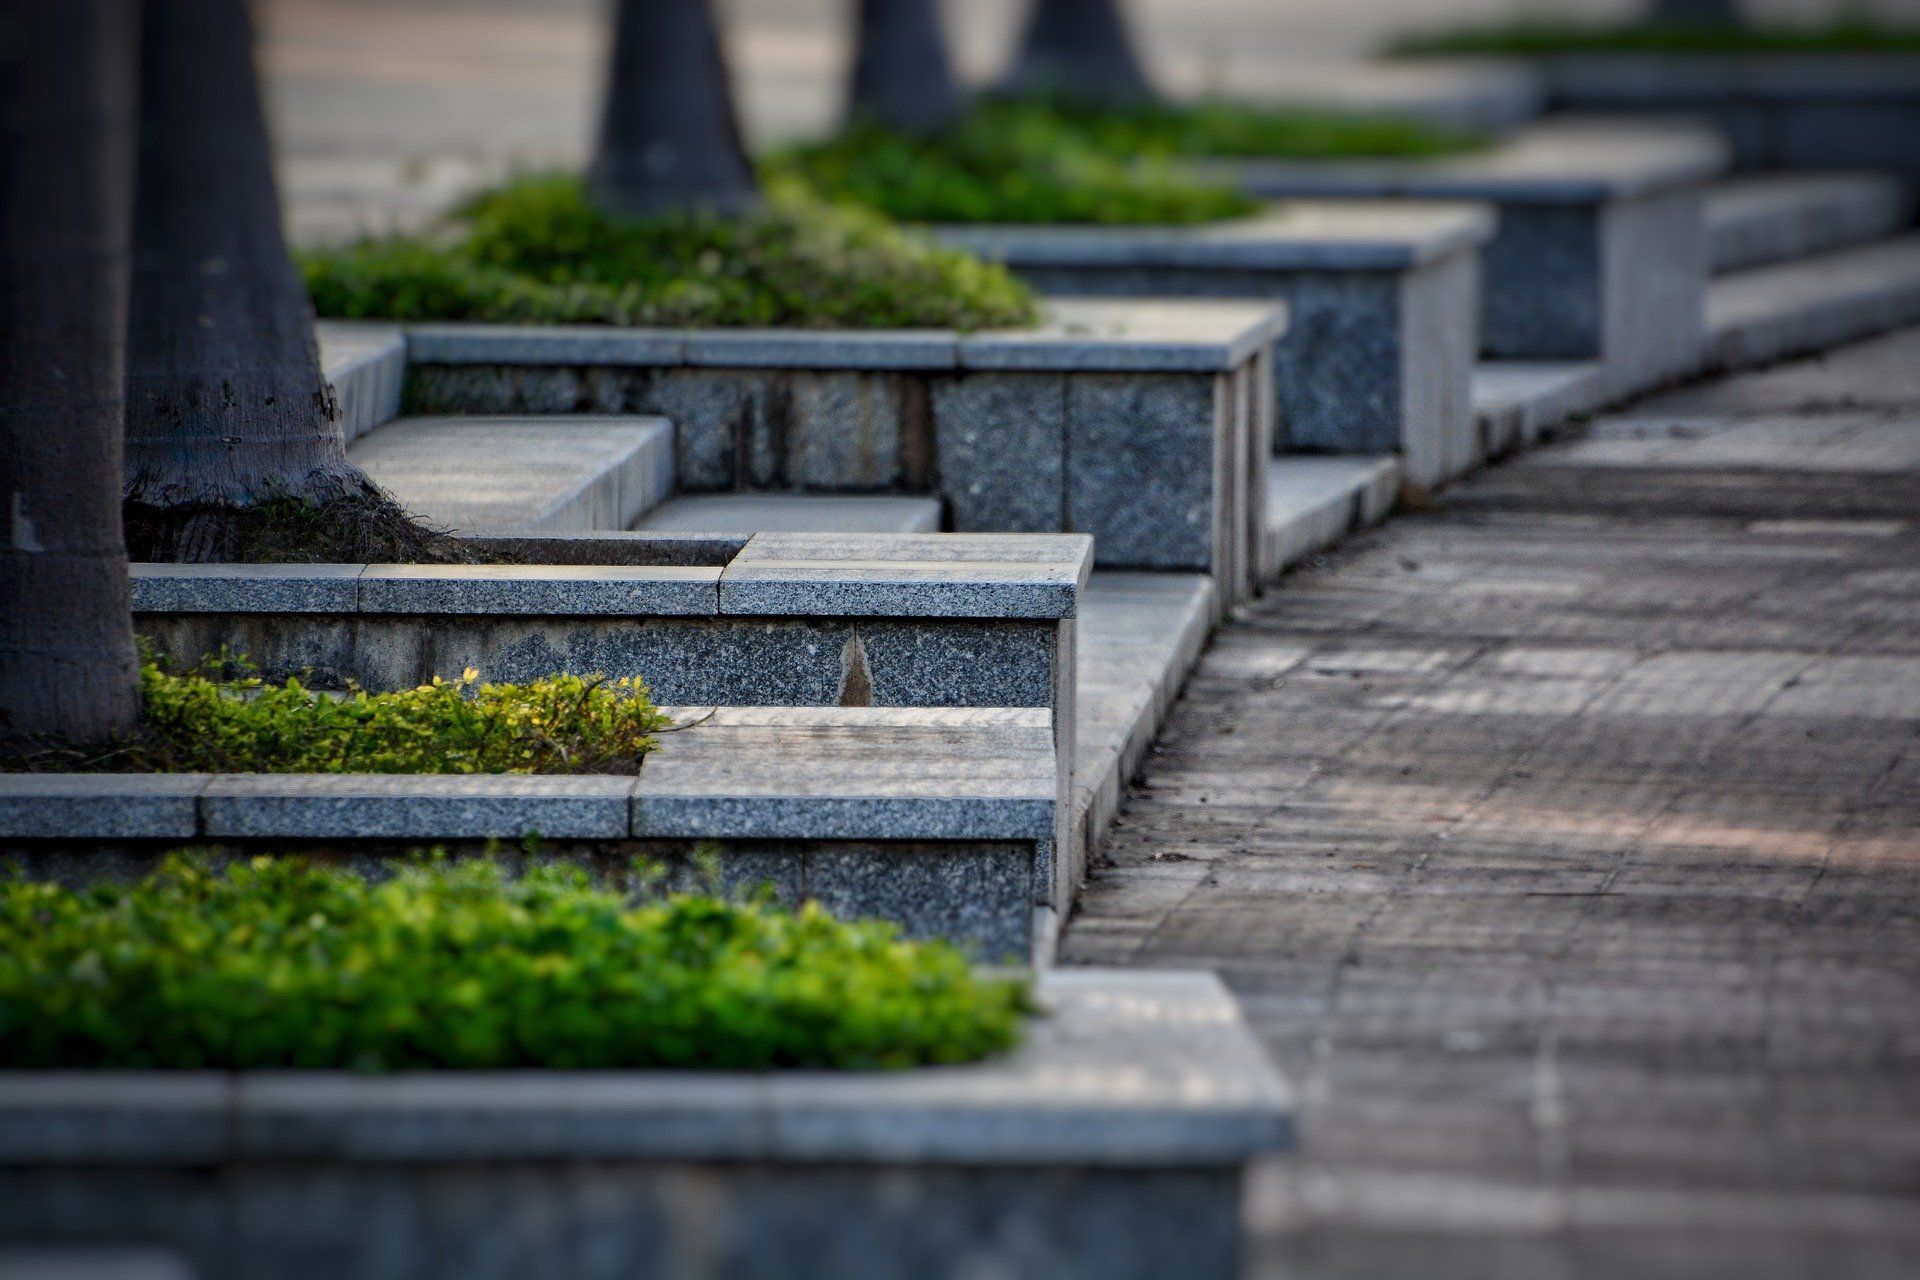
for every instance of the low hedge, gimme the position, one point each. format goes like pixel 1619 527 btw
pixel 1855 35
pixel 220 718
pixel 1004 163
pixel 1215 127
pixel 536 250
pixel 278 962
pixel 1048 162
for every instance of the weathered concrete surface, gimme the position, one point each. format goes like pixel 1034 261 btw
pixel 1562 843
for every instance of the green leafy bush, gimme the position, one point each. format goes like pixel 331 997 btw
pixel 1847 35
pixel 282 963
pixel 538 251
pixel 220 718
pixel 1219 128
pixel 1005 163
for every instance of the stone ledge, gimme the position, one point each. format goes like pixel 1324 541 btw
pixel 1299 235
pixel 1706 79
pixel 824 773
pixel 803 773
pixel 1127 1069
pixel 1565 161
pixel 973 575
pixel 987 575
pixel 1074 334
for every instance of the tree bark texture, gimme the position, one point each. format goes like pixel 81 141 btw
pixel 67 662
pixel 1079 50
pixel 226 404
pixel 669 139
pixel 902 75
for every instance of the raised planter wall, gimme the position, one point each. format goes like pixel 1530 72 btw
pixel 1786 111
pixel 1112 1145
pixel 1145 425
pixel 944 820
pixel 1601 252
pixel 1382 302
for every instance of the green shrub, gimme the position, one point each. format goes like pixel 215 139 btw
pixel 219 718
pixel 537 251
pixel 282 963
pixel 1847 35
pixel 1005 163
pixel 1219 128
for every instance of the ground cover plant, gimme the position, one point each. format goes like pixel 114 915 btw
pixel 1213 127
pixel 280 962
pixel 1032 160
pixel 1004 163
pixel 221 718
pixel 537 250
pixel 1846 35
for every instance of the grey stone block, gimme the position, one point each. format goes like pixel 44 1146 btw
pixel 1160 335
pixel 1322 235
pixel 846 431
pixel 922 575
pixel 980 897
pixel 245 588
pixel 474 344
pixel 553 473
pixel 366 364
pixel 1559 161
pixel 100 806
pixel 1000 443
pixel 549 590
pixel 415 807
pixel 1144 469
pixel 643 546
pixel 853 773
pixel 822 349
pixel 750 513
pixel 1776 217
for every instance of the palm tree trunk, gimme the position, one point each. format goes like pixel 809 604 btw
pixel 1079 50
pixel 902 76
pixel 669 139
pixel 67 664
pixel 226 406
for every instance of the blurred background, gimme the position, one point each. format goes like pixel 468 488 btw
pixel 384 109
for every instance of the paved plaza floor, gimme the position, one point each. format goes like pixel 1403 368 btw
pixel 1562 842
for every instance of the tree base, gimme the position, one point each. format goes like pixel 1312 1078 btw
pixel 360 525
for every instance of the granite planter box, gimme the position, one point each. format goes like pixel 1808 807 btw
pixel 1779 111
pixel 1146 426
pixel 942 819
pixel 1113 1144
pixel 1601 252
pixel 1382 300
pixel 891 620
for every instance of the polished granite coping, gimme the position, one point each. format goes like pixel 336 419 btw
pixel 959 575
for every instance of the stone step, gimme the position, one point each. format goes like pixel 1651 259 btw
pixel 1139 637
pixel 1313 502
pixel 750 513
pixel 367 366
pixel 1775 217
pixel 522 474
pixel 1765 314
pixel 1518 401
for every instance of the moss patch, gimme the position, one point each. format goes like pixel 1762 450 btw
pixel 281 963
pixel 1048 162
pixel 220 718
pixel 1005 163
pixel 1540 37
pixel 537 251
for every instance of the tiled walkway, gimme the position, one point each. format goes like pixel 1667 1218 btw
pixel 1563 845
